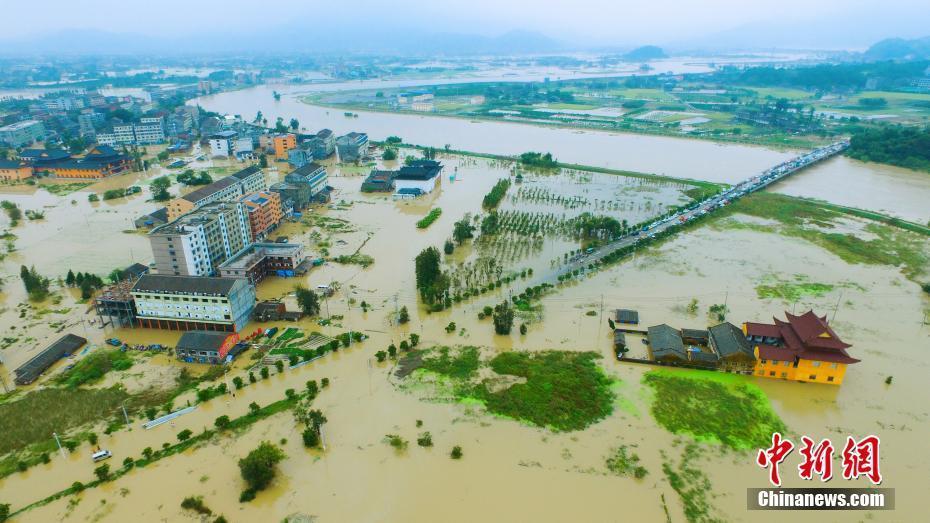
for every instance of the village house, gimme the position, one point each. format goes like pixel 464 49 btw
pixel 15 170
pixel 208 347
pixel 803 348
pixel 420 177
pixel 734 352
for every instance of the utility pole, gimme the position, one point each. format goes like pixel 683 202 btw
pixel 837 306
pixel 58 441
pixel 125 415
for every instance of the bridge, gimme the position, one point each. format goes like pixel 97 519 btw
pixel 706 206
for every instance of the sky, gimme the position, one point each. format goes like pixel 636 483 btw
pixel 589 22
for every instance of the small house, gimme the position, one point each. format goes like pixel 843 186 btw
pixel 207 346
pixel 733 349
pixel 627 316
pixel 666 344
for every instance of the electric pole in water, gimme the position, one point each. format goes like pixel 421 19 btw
pixel 58 441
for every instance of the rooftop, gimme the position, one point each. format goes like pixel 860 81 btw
pixel 184 284
pixel 19 125
pixel 203 340
pixel 208 190
pixel 419 170
pixel 254 253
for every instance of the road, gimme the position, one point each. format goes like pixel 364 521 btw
pixel 704 207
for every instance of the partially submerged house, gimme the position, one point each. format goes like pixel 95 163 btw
pixel 732 348
pixel 32 369
pixel 626 316
pixel 208 347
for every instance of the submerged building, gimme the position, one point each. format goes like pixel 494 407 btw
pixel 802 348
pixel 193 303
pixel 196 243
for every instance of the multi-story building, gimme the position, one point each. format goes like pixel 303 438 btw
pixel 149 131
pixel 222 144
pixel 15 170
pixel 248 180
pixel 196 243
pixel 327 144
pixel 420 177
pixel 22 133
pixel 264 212
pixel 192 303
pixel 88 122
pixel 352 146
pixel 803 348
pixel 282 143
pixel 315 175
pixel 264 259
pixel 299 157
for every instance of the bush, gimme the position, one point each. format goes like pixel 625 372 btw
pixel 456 452
pixel 311 437
pixel 102 472
pixel 184 435
pixel 425 440
pixel 399 443
pixel 196 504
pixel 222 422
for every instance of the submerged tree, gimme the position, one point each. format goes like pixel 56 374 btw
pixel 258 468
pixel 503 318
pixel 307 300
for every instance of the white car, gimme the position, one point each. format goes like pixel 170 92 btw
pixel 101 455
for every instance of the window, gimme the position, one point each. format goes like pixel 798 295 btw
pixel 812 377
pixel 771 373
pixel 829 378
pixel 834 365
pixel 787 363
pixel 815 364
pixel 784 374
pixel 764 362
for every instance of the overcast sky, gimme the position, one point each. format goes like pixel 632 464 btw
pixel 593 21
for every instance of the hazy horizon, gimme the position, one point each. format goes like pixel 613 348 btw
pixel 828 24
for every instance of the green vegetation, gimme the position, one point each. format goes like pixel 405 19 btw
pixel 532 159
pixel 624 462
pixel 456 452
pixel 895 243
pixel 355 259
pixel 893 144
pixel 432 283
pixel 692 485
pixel 460 364
pixel 503 318
pixel 718 408
pixel 94 367
pixel 463 230
pixel 791 291
pixel 493 198
pixel 258 468
pixel 160 187
pixel 399 443
pixel 195 504
pixel 307 300
pixel 36 285
pixel 63 189
pixel 428 220
pixel 564 391
pixel 389 154
pixel 188 177
pixel 12 211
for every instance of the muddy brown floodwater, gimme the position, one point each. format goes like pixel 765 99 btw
pixel 510 471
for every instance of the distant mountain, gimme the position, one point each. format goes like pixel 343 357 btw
pixel 645 53
pixel 899 49
pixel 326 39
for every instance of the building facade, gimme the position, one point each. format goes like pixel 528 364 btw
pixel 352 146
pixel 15 170
pixel 22 133
pixel 264 212
pixel 248 180
pixel 420 175
pixel 260 260
pixel 222 144
pixel 282 143
pixel 802 348
pixel 206 346
pixel 196 243
pixel 193 303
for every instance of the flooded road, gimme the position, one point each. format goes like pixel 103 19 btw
pixel 887 189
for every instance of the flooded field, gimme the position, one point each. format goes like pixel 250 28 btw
pixel 515 470
pixel 758 267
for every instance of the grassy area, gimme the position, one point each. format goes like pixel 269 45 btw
pixel 35 416
pixel 428 220
pixel 63 189
pixel 713 407
pixel 355 259
pixel 564 391
pixel 95 366
pixel 896 243
pixel 691 484
pixel 791 291
pixel 461 363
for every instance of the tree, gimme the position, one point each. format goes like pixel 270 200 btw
pixel 463 230
pixel 279 366
pixel 252 378
pixel 221 422
pixel 425 440
pixel 523 329
pixel 312 388
pixel 148 452
pixel 92 439
pixel 456 452
pixel 404 315
pixel 102 472
pixel 414 339
pixel 392 351
pixel 263 161
pixel 294 124
pixel 184 435
pixel 389 154
pixel 307 300
pixel 311 438
pixel 503 318
pixel 69 279
pixel 448 247
pixel 238 382
pixel 160 187
pixel 431 281
pixel 36 285
pixel 258 468
pixel 4 511
pixel 380 355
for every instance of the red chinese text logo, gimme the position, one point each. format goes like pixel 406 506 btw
pixel 860 458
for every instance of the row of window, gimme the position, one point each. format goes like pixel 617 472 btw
pixel 788 363
pixel 784 375
pixel 157 297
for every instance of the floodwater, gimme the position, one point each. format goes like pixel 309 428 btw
pixel 513 469
pixel 677 157
pixel 891 190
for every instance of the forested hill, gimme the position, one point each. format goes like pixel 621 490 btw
pixel 896 145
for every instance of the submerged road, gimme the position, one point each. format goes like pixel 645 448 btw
pixel 703 207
